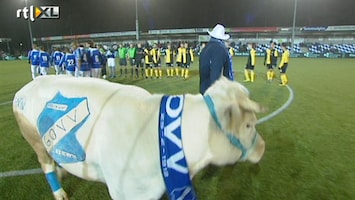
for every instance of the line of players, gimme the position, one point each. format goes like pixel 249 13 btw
pixel 146 61
pixel 79 60
pixel 270 61
pixel 89 60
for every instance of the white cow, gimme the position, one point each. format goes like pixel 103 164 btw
pixel 114 131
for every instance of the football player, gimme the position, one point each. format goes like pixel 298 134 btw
pixel 34 60
pixel 180 58
pixel 169 60
pixel 44 60
pixel 131 53
pixel 188 58
pixel 68 62
pixel 94 60
pixel 139 59
pixel 270 61
pixel 155 52
pixel 122 55
pixel 285 59
pixel 111 63
pixel 56 57
pixel 249 68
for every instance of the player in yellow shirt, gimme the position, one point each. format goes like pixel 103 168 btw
pixel 188 58
pixel 285 59
pixel 148 60
pixel 180 58
pixel 155 52
pixel 271 61
pixel 249 68
pixel 169 60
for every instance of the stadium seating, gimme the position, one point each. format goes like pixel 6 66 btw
pixel 338 48
pixel 312 48
pixel 262 48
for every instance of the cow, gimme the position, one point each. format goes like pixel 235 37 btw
pixel 110 133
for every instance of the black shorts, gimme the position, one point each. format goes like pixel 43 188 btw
pixel 169 64
pixel 139 62
pixel 186 65
pixel 270 66
pixel 179 64
pixel 132 61
pixel 249 67
pixel 156 64
pixel 123 62
pixel 284 68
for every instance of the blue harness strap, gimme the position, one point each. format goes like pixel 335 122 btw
pixel 172 158
pixel 232 138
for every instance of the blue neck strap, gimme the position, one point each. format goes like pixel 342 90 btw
pixel 232 138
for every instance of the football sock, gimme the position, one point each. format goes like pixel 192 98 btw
pixel 246 74
pixel 252 76
pixel 171 72
pixel 284 79
pixel 182 72
pixel 177 71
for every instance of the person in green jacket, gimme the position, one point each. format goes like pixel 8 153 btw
pixel 122 56
pixel 131 57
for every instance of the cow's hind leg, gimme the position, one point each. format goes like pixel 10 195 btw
pixel 47 163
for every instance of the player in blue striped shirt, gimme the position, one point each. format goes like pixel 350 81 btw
pixel 77 52
pixel 111 62
pixel 44 60
pixel 34 60
pixel 95 60
pixel 68 61
pixel 56 57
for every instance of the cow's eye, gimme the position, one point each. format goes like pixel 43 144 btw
pixel 248 125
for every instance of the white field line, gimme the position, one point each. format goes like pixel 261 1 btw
pixel 5 103
pixel 279 110
pixel 261 120
pixel 20 172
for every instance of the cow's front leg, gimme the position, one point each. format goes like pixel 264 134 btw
pixel 53 181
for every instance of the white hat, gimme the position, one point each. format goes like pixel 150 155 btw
pixel 219 32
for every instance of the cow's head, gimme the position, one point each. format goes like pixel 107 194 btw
pixel 233 134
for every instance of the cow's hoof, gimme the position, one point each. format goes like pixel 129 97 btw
pixel 60 195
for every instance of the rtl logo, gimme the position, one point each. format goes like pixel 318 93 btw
pixel 42 12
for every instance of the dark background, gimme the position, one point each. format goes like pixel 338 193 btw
pixel 88 16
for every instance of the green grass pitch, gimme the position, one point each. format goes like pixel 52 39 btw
pixel 310 147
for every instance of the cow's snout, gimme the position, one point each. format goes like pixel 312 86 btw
pixel 258 151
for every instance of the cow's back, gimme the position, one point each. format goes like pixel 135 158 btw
pixel 102 111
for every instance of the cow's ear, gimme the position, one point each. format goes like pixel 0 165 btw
pixel 231 114
pixel 252 106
